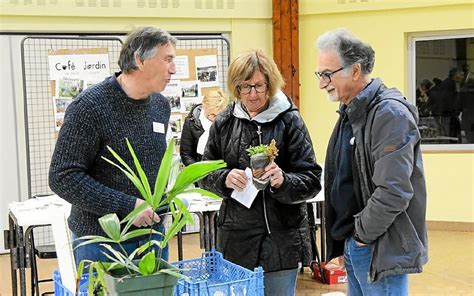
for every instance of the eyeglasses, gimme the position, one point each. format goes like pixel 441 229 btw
pixel 245 89
pixel 326 76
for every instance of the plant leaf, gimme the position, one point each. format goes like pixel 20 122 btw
pixel 110 224
pixel 173 272
pixel 80 271
pixel 163 175
pixel 134 214
pixel 131 176
pixel 175 227
pixel 100 276
pixel 195 172
pixel 144 247
pixel 141 172
pixel 204 192
pixel 138 232
pixel 95 239
pixel 121 161
pixel 92 279
pixel 120 258
pixel 147 264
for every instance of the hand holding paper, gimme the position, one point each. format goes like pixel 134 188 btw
pixel 246 196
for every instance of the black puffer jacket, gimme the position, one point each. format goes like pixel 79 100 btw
pixel 192 131
pixel 273 233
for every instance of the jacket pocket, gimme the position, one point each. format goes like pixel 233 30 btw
pixel 407 233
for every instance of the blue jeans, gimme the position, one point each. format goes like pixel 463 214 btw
pixel 357 260
pixel 280 283
pixel 94 251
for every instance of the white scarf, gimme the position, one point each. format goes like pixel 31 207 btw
pixel 206 124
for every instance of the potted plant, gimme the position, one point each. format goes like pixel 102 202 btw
pixel 149 275
pixel 260 157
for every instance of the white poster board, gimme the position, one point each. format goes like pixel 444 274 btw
pixel 73 70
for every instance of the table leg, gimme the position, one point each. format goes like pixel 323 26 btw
pixel 323 230
pixel 207 232
pixel 180 246
pixel 13 255
pixel 21 259
pixel 201 230
pixel 212 226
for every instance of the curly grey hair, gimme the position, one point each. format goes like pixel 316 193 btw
pixel 350 49
pixel 142 43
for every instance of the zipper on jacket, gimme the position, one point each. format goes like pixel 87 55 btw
pixel 259 132
pixel 265 214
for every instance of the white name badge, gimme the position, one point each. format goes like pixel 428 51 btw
pixel 158 127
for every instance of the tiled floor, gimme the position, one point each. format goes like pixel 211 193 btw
pixel 450 270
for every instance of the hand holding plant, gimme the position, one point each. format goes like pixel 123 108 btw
pixel 127 265
pixel 261 156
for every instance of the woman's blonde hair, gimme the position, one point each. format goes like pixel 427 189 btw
pixel 214 100
pixel 246 64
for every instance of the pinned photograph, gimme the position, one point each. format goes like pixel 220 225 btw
pixel 173 93
pixel 70 88
pixel 206 70
pixel 190 95
pixel 60 106
pixel 182 67
pixel 176 125
pixel 191 89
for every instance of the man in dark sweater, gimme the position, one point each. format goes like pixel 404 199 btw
pixel 125 105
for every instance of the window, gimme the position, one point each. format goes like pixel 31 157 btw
pixel 442 85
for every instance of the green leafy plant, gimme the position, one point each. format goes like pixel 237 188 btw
pixel 269 150
pixel 159 197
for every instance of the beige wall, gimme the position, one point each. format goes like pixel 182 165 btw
pixel 387 26
pixel 247 27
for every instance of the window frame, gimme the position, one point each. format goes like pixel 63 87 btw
pixel 411 80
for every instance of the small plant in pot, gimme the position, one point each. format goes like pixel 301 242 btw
pixel 127 274
pixel 261 156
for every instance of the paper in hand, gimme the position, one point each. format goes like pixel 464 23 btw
pixel 246 196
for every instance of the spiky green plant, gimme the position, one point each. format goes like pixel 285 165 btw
pixel 155 199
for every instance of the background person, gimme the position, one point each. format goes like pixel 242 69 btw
pixel 196 126
pixel 273 232
pixel 375 194
pixel 467 107
pixel 423 97
pixel 445 104
pixel 125 105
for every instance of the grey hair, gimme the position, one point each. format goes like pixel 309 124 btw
pixel 142 43
pixel 350 49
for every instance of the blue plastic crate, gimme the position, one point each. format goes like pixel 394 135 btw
pixel 212 275
pixel 60 290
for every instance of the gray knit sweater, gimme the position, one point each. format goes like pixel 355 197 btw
pixel 100 116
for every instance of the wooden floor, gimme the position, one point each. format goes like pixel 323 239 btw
pixel 450 270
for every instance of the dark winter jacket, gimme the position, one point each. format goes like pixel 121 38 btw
pixel 389 177
pixel 192 131
pixel 273 233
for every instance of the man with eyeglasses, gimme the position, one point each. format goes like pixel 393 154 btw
pixel 374 179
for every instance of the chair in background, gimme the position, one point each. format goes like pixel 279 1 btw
pixel 45 250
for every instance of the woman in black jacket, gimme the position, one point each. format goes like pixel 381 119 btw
pixel 273 232
pixel 196 126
